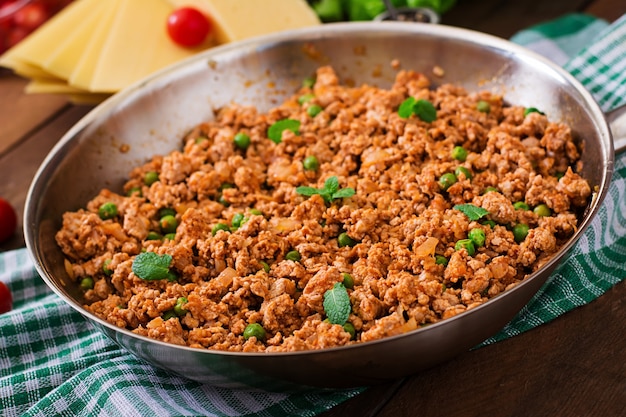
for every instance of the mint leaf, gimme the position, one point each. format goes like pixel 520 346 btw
pixel 275 131
pixel 307 191
pixel 406 108
pixel 151 266
pixel 425 110
pixel 473 212
pixel 343 193
pixel 331 185
pixel 337 304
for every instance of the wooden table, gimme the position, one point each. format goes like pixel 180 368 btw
pixel 573 366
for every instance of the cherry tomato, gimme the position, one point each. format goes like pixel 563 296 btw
pixel 188 27
pixel 6 299
pixel 31 16
pixel 8 220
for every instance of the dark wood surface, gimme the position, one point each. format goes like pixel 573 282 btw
pixel 572 366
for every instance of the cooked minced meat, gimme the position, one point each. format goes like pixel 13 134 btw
pixel 432 218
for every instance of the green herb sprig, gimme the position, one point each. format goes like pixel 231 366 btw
pixel 329 192
pixel 337 304
pixel 151 266
pixel 471 211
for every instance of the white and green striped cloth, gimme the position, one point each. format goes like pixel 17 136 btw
pixel 53 363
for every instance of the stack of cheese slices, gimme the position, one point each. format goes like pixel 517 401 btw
pixel 94 48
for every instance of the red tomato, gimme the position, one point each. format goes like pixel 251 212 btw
pixel 188 26
pixel 31 16
pixel 8 220
pixel 6 299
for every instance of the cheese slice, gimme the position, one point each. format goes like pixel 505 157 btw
pixel 46 86
pixel 37 47
pixel 136 45
pixel 240 19
pixel 64 58
pixel 82 74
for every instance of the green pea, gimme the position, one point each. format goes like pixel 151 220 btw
pixel 87 283
pixel 483 106
pixel 348 281
pixel 218 227
pixel 542 210
pixel 265 265
pixel 293 255
pixel 154 236
pixel 256 212
pixel 529 110
pixel 520 231
pixel 150 177
pixel 242 141
pixel 200 139
pixel 462 170
pixel 310 163
pixel 520 205
pixel 466 244
pixel 349 328
pixel 459 153
pixel 134 191
pixel 170 236
pixel 107 211
pixel 178 308
pixel 447 180
pixel 168 224
pixel 166 211
pixel 477 236
pixel 344 240
pixel 441 260
pixel 236 220
pixel 491 189
pixel 254 330
pixel 314 110
pixel 226 185
pixel 305 97
pixel 489 223
pixel 105 267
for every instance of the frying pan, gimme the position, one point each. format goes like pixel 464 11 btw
pixel 151 117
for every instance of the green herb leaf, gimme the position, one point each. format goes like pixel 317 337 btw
pixel 343 193
pixel 331 185
pixel 151 266
pixel 423 109
pixel 329 192
pixel 406 108
pixel 275 131
pixel 471 211
pixel 337 304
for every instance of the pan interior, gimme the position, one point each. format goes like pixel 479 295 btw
pixel 151 117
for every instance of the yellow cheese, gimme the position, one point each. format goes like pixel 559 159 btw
pixel 83 72
pixel 240 19
pixel 44 86
pixel 136 45
pixel 37 47
pixel 64 58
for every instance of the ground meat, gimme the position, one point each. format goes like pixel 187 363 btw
pixel 350 198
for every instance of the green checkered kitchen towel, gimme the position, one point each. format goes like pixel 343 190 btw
pixel 53 363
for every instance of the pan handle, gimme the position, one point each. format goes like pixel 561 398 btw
pixel 617 123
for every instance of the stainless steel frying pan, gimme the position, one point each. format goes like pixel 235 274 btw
pixel 150 118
